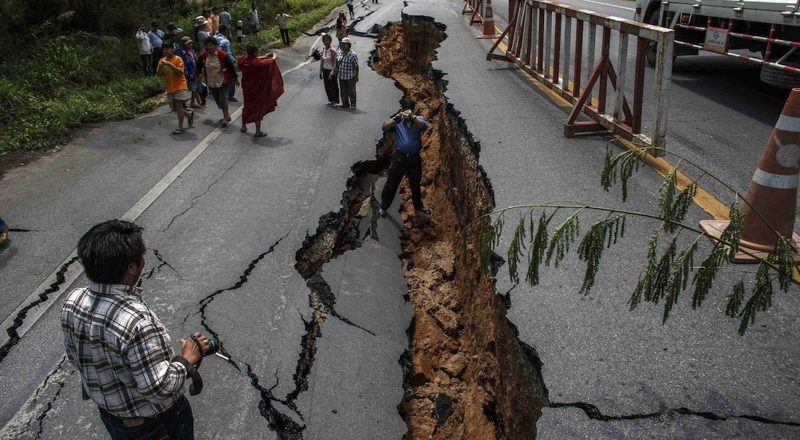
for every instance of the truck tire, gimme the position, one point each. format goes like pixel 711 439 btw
pixel 779 78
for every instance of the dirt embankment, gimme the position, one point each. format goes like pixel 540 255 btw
pixel 467 374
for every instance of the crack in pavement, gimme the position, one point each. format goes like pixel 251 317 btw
pixel 278 422
pixel 323 300
pixel 20 318
pixel 208 299
pixel 594 413
pixel 194 200
pixel 49 406
pixel 161 263
pixel 281 424
pixel 41 388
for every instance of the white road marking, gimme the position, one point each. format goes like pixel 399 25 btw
pixel 609 5
pixel 34 314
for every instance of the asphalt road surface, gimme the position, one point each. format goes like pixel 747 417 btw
pixel 224 233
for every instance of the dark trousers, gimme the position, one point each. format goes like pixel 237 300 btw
pixel 352 13
pixel 402 164
pixel 158 52
pixel 331 87
pixel 347 89
pixel 177 423
pixel 147 64
pixel 285 36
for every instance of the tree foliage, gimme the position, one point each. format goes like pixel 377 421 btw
pixel 670 268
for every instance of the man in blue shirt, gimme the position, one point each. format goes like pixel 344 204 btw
pixel 156 37
pixel 407 128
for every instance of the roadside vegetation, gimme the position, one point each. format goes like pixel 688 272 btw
pixel 77 61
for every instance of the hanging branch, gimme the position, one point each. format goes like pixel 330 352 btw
pixel 667 273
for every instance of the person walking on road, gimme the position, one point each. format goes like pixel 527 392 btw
pixel 351 9
pixel 189 57
pixel 225 45
pixel 252 19
pixel 156 37
pixel 226 19
pixel 406 161
pixel 145 50
pixel 347 72
pixel 327 70
pixel 283 24
pixel 119 346
pixel 172 69
pixel 341 27
pixel 218 73
pixel 262 85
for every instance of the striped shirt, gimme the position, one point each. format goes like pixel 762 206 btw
pixel 121 350
pixel 347 65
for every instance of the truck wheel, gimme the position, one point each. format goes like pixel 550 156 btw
pixel 777 77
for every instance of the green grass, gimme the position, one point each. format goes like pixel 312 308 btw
pixel 70 80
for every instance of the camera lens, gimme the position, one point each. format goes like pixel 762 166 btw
pixel 213 347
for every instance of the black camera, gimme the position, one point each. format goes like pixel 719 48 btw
pixel 213 347
pixel 196 387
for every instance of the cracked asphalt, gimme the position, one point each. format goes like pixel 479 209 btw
pixel 221 252
pixel 611 373
pixel 318 359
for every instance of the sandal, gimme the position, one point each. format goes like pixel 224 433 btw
pixel 260 134
pixel 177 131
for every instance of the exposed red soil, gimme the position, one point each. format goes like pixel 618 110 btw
pixel 468 376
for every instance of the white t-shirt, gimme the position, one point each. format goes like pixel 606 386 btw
pixel 144 43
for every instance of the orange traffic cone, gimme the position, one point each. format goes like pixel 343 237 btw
pixel 489 30
pixel 772 195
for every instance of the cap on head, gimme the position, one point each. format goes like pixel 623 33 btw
pixel 186 40
pixel 200 20
pixel 346 40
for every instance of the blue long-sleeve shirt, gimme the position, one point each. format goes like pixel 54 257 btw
pixel 408 135
pixel 156 38
pixel 189 62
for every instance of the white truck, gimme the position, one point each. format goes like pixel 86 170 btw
pixel 765 32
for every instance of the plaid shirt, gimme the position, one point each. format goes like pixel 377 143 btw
pixel 346 65
pixel 121 350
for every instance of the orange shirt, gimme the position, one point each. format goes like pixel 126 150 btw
pixel 175 81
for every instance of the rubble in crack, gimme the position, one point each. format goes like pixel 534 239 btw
pixel 467 374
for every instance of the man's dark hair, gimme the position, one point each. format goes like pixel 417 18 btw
pixel 108 248
pixel 154 24
pixel 407 104
pixel 169 44
pixel 211 40
pixel 214 9
pixel 223 28
pixel 252 50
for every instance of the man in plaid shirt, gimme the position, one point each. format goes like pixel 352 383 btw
pixel 119 346
pixel 347 72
